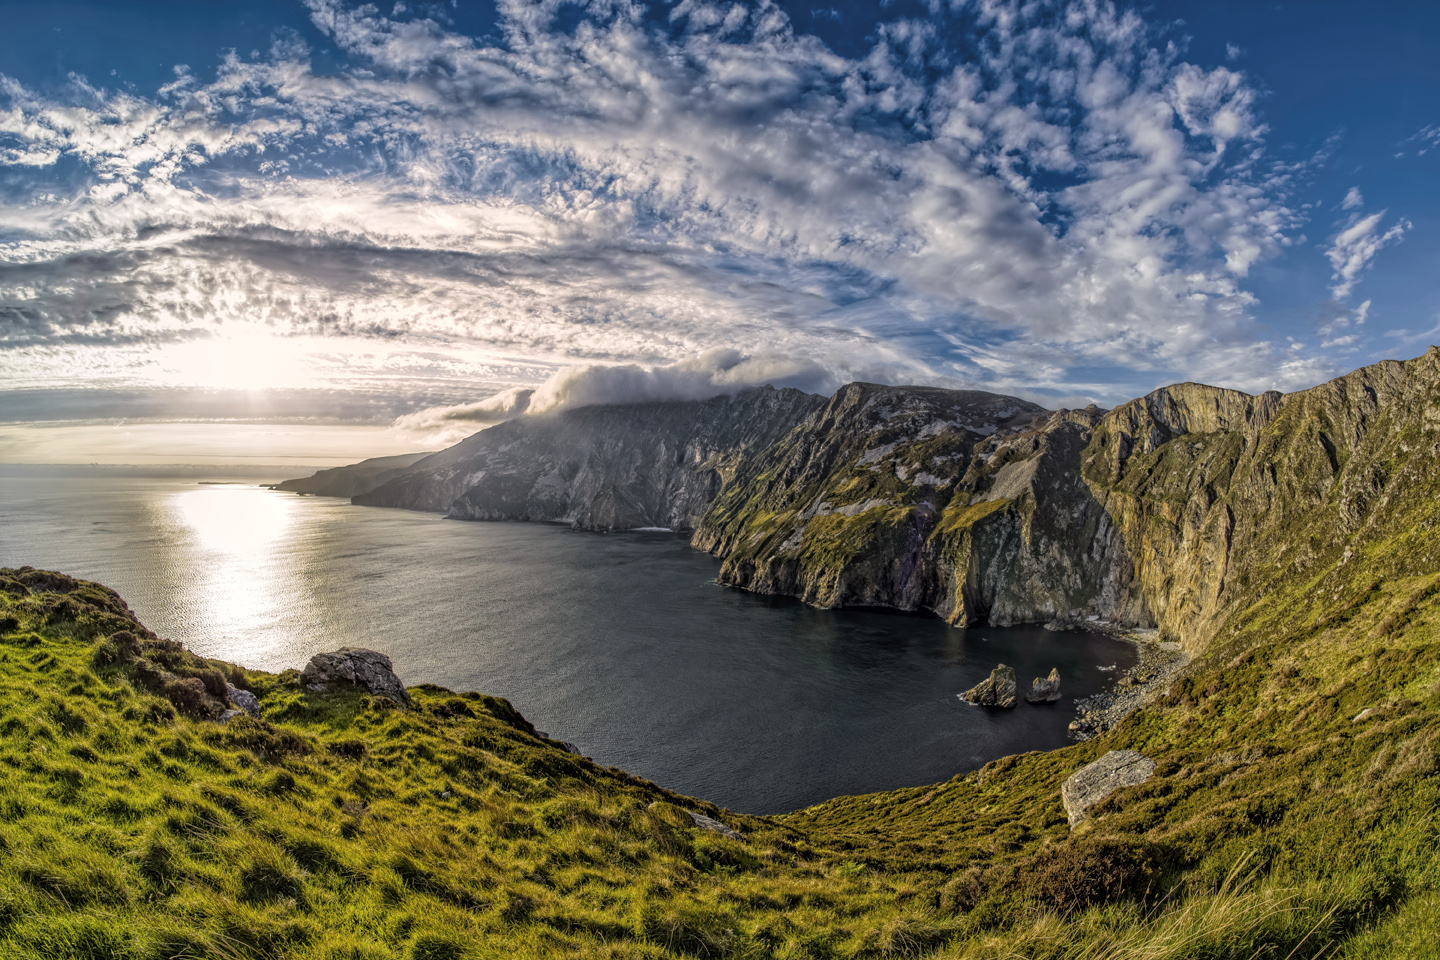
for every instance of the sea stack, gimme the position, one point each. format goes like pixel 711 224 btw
pixel 998 690
pixel 1046 690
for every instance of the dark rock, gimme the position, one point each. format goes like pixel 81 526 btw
pixel 356 667
pixel 1046 690
pixel 1096 781
pixel 998 690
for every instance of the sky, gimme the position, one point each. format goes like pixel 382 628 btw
pixel 316 231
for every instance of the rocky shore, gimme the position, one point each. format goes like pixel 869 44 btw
pixel 1158 664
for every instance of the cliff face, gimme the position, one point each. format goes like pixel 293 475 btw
pixel 611 467
pixel 1260 488
pixel 357 478
pixel 1173 510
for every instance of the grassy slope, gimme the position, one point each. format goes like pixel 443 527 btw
pixel 339 826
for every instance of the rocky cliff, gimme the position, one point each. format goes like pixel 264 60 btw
pixel 1172 510
pixel 607 467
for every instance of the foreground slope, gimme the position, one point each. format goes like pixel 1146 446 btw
pixel 134 826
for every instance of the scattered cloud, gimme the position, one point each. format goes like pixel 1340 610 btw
pixel 1354 248
pixel 1353 200
pixel 610 197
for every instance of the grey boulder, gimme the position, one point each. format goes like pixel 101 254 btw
pixel 1045 690
pixel 1094 782
pixel 356 667
pixel 997 690
pixel 243 699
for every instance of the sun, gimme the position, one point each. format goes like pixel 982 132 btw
pixel 247 359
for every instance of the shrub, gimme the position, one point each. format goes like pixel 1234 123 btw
pixel 1082 872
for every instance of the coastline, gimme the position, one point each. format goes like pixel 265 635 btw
pixel 1158 663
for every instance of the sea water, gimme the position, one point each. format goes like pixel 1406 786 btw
pixel 622 643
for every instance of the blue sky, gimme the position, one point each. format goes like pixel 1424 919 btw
pixel 273 227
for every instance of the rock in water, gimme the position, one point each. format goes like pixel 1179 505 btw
pixel 1046 690
pixel 1094 782
pixel 996 691
pixel 362 668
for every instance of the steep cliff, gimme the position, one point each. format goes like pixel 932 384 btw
pixel 968 504
pixel 606 467
pixel 1170 510
pixel 1219 496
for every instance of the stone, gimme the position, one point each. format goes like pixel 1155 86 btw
pixel 357 667
pixel 709 823
pixel 243 699
pixel 998 690
pixel 1046 690
pixel 1094 782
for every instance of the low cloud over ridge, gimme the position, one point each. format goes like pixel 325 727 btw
pixel 713 373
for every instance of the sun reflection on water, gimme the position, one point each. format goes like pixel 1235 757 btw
pixel 241 541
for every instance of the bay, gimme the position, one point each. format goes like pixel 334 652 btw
pixel 622 644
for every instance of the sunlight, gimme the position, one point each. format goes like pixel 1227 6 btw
pixel 243 360
pixel 237 521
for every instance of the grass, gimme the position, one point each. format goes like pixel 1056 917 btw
pixel 340 826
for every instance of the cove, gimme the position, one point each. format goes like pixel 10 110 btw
pixel 619 643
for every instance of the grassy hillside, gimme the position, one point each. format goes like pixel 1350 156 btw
pixel 341 826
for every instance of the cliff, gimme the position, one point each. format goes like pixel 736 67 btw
pixel 610 467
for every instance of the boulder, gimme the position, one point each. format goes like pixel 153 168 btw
pixel 708 823
pixel 243 699
pixel 998 690
pixel 1094 782
pixel 355 667
pixel 1046 690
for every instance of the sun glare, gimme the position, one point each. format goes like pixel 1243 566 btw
pixel 249 360
pixel 238 522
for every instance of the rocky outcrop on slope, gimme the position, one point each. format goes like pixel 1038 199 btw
pixel 1094 782
pixel 357 478
pixel 604 467
pixel 354 667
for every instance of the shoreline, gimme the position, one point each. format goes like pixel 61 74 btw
pixel 1158 663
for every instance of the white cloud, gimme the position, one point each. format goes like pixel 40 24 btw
pixel 710 374
pixel 628 196
pixel 1353 200
pixel 1354 248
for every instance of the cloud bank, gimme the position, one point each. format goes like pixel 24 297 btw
pixel 1017 196
pixel 714 373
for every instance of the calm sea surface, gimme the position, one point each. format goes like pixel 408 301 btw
pixel 622 644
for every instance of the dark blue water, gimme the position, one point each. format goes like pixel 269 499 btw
pixel 622 644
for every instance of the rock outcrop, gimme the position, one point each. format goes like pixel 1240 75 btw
pixel 1094 782
pixel 244 700
pixel 356 667
pixel 1046 689
pixel 996 690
